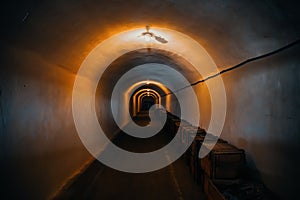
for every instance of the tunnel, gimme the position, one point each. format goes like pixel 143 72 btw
pixel 150 99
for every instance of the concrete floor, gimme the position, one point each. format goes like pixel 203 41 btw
pixel 101 182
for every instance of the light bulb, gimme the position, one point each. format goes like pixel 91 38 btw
pixel 147 37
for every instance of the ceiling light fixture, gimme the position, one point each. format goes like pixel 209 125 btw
pixel 149 36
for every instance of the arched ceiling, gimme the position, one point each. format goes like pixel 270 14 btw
pixel 64 32
pixel 154 87
pixel 138 57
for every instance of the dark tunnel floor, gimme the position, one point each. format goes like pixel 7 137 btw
pixel 101 182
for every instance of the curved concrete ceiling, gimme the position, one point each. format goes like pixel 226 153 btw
pixel 150 55
pixel 164 76
pixel 138 98
pixel 63 33
pixel 43 44
pixel 146 96
pixel 142 92
pixel 160 91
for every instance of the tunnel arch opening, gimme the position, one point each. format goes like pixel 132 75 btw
pixel 141 98
pixel 153 89
pixel 138 57
pixel 147 101
pixel 93 134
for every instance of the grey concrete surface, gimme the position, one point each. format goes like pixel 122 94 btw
pixel 101 182
pixel 263 103
pixel 43 44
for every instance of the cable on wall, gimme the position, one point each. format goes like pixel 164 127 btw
pixel 241 64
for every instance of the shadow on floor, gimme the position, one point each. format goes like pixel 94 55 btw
pixel 102 182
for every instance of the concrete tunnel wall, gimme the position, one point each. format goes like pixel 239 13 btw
pixel 40 56
pixel 167 77
pixel 263 100
pixel 40 148
pixel 262 117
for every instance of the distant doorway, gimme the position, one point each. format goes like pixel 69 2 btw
pixel 147 102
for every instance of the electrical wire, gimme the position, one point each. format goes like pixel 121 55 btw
pixel 241 64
